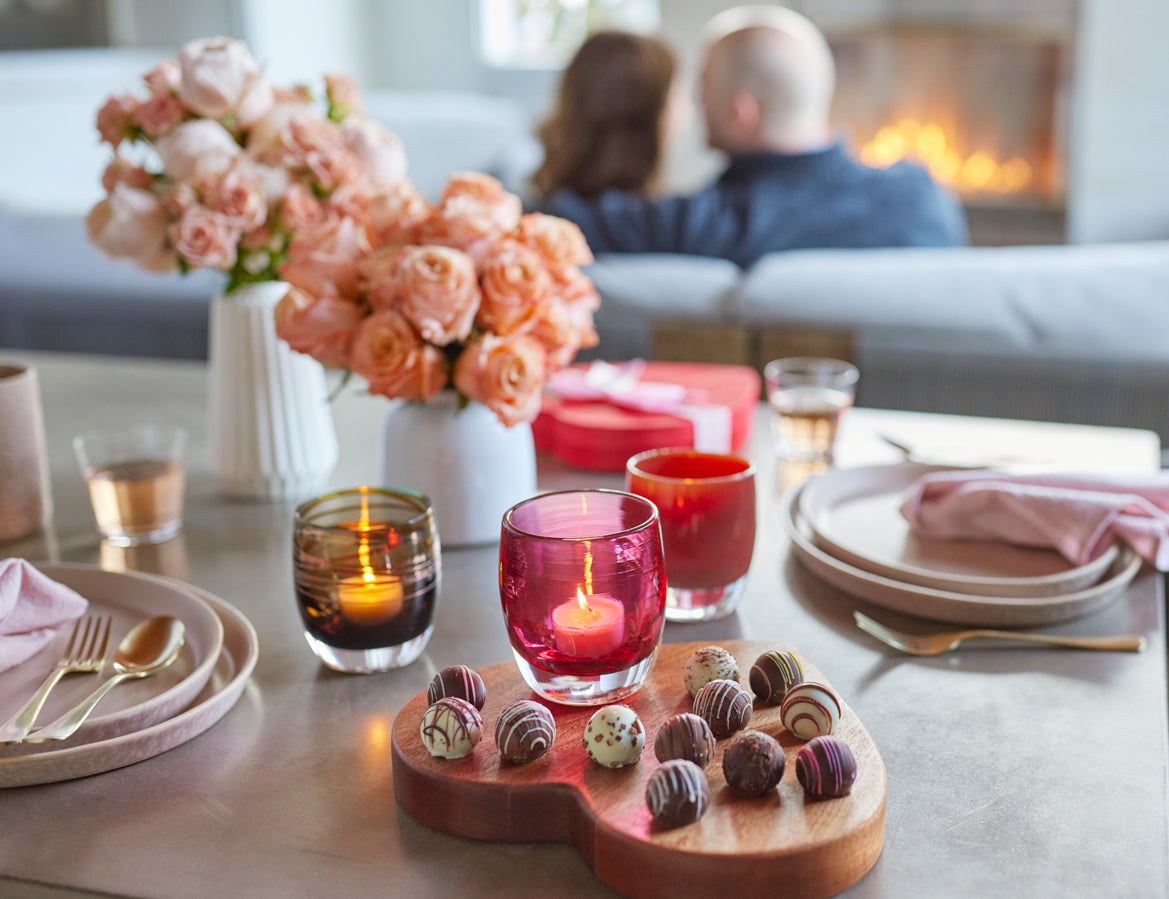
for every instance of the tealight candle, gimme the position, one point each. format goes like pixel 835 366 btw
pixel 589 627
pixel 368 599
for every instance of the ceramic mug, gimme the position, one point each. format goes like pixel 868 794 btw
pixel 26 503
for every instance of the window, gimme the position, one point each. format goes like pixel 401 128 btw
pixel 545 33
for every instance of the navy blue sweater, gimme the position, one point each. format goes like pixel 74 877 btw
pixel 765 202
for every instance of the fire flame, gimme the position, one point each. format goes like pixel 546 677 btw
pixel 929 144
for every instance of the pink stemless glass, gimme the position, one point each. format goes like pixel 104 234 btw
pixel 583 586
pixel 707 506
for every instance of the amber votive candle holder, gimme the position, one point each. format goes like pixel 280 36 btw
pixel 582 581
pixel 367 568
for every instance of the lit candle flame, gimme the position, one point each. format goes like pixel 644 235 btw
pixel 584 606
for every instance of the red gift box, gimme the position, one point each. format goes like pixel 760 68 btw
pixel 598 435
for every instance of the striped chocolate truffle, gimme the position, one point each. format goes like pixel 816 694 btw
pixel 677 793
pixel 773 674
pixel 458 681
pixel 826 767
pixel 707 664
pixel 725 705
pixel 685 736
pixel 451 728
pixel 810 710
pixel 524 731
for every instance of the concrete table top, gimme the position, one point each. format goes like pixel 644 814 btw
pixel 1020 772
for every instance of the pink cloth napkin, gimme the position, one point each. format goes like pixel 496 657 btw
pixel 32 608
pixel 1078 516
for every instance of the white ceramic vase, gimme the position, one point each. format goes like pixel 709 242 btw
pixel 271 430
pixel 471 466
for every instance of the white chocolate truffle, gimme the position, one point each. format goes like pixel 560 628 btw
pixel 451 728
pixel 614 737
pixel 810 710
pixel 707 664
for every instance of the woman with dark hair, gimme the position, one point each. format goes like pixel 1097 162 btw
pixel 610 121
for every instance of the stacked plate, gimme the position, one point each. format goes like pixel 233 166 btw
pixel 846 526
pixel 139 718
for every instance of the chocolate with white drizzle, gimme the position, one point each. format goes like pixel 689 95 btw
pixel 524 731
pixel 726 706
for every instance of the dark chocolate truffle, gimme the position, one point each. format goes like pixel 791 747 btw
pixel 458 681
pixel 451 728
pixel 726 706
pixel 753 763
pixel 677 793
pixel 773 674
pixel 826 767
pixel 524 731
pixel 685 736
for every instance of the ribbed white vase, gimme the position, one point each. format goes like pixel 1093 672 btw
pixel 271 429
pixel 472 467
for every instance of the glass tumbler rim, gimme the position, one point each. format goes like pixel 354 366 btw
pixel 419 500
pixel 138 429
pixel 651 520
pixel 810 365
pixel 630 466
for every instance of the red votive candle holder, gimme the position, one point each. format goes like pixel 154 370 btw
pixel 707 507
pixel 582 580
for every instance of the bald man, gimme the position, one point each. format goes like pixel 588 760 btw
pixel 767 86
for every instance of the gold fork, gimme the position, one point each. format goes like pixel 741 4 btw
pixel 936 644
pixel 85 653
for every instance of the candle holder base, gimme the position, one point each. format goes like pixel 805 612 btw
pixel 704 605
pixel 572 689
pixel 369 661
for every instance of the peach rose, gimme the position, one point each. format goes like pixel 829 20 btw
pixel 515 284
pixel 474 210
pixel 159 114
pixel 300 209
pixel 322 327
pixel 351 200
pixel 120 171
pixel 115 120
pixel 396 363
pixel 181 198
pixel 395 214
pixel 204 239
pixel 563 329
pixel 342 94
pixel 557 240
pixel 437 291
pixel 236 196
pixel 198 147
pixel 506 374
pixel 379 150
pixel 334 169
pixel 379 274
pixel 131 224
pixel 215 74
pixel 164 78
pixel 256 104
pixel 323 258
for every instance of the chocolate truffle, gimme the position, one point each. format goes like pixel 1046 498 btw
pixel 773 674
pixel 826 767
pixel 458 681
pixel 685 736
pixel 753 763
pixel 707 664
pixel 451 728
pixel 677 793
pixel 524 731
pixel 725 705
pixel 810 710
pixel 614 736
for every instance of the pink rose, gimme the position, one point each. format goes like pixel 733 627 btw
pixel 131 224
pixel 323 258
pixel 437 291
pixel 474 210
pixel 350 200
pixel 515 284
pixel 334 169
pixel 121 171
pixel 298 94
pixel 197 147
pixel 216 73
pixel 343 95
pixel 323 327
pixel 395 214
pixel 159 114
pixel 255 105
pixel 379 274
pixel 379 150
pixel 236 196
pixel 390 356
pixel 181 198
pixel 300 209
pixel 115 119
pixel 557 240
pixel 164 78
pixel 204 239
pixel 506 374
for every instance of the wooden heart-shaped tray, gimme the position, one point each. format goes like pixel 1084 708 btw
pixel 783 843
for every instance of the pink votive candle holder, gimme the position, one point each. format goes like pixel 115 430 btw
pixel 582 580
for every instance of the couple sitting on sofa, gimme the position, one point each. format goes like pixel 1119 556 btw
pixel 767 85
